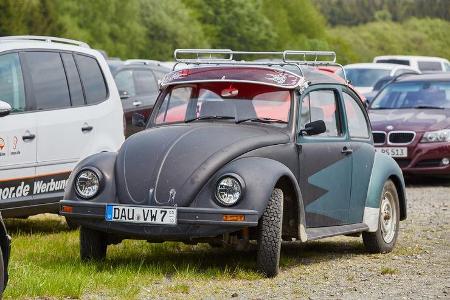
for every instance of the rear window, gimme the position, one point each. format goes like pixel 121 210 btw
pixel 48 80
pixel 425 66
pixel 92 79
pixel 365 77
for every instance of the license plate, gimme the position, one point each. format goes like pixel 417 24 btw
pixel 141 214
pixel 393 151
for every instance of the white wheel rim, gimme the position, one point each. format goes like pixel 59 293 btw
pixel 388 217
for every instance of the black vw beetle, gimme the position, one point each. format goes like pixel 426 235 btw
pixel 239 151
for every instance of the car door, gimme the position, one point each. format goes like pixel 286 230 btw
pixel 363 153
pixel 325 160
pixel 61 135
pixel 17 137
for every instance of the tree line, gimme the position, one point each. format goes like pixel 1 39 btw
pixel 154 28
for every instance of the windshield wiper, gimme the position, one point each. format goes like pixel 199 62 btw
pixel 209 118
pixel 262 120
pixel 428 106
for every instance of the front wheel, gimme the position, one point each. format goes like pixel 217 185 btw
pixel 384 239
pixel 93 244
pixel 269 235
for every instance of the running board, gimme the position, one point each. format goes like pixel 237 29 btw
pixel 323 232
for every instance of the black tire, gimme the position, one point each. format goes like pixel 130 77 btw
pixel 2 274
pixel 93 244
pixel 71 224
pixel 375 242
pixel 269 235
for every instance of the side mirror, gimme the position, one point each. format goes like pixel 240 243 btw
pixel 124 95
pixel 138 120
pixel 314 128
pixel 5 108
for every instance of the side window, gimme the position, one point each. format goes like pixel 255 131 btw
pixel 145 82
pixel 174 106
pixel 92 78
pixel 125 83
pixel 11 82
pixel 75 88
pixel 48 80
pixel 321 105
pixel 357 124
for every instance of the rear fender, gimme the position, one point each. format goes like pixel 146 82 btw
pixel 384 168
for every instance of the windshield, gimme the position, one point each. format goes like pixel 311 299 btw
pixel 237 102
pixel 413 95
pixel 364 77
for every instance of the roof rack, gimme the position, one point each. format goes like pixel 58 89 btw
pixel 287 57
pixel 47 39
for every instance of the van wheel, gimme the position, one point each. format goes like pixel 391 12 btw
pixel 93 244
pixel 384 239
pixel 269 235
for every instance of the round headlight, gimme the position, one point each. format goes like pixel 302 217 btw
pixel 87 184
pixel 228 191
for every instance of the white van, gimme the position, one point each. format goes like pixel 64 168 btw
pixel 58 105
pixel 420 63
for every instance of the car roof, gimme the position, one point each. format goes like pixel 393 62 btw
pixel 378 66
pixel 258 74
pixel 425 77
pixel 411 57
pixel 117 65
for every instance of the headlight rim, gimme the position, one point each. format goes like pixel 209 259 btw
pixel 99 175
pixel 241 184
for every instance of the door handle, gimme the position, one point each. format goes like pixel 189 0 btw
pixel 28 137
pixel 137 103
pixel 86 128
pixel 347 150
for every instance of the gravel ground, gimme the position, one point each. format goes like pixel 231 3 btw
pixel 418 268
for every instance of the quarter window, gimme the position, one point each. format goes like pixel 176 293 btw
pixel 357 124
pixel 321 105
pixel 48 80
pixel 92 78
pixel 11 82
pixel 174 106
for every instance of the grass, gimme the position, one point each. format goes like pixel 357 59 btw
pixel 45 263
pixel 388 271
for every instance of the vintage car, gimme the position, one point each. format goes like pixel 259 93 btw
pixel 237 152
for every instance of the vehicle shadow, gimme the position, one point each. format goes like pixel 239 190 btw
pixel 42 224
pixel 427 181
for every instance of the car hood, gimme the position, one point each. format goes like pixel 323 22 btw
pixel 418 120
pixel 168 165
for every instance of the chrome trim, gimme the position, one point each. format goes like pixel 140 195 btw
pixel 400 131
pixel 385 137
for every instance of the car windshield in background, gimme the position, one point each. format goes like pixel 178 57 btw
pixel 238 102
pixel 433 95
pixel 365 77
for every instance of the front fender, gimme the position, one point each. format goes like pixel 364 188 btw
pixel 260 176
pixel 384 168
pixel 105 162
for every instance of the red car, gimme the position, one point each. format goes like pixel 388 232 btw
pixel 411 122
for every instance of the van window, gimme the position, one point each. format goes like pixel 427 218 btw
pixel 11 82
pixel 92 79
pixel 429 66
pixel 76 91
pixel 48 80
pixel 394 61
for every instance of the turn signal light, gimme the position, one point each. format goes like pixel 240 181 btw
pixel 234 218
pixel 67 209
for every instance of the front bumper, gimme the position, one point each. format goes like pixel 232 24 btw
pixel 192 222
pixel 426 159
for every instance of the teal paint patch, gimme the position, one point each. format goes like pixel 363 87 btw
pixel 383 168
pixel 335 180
pixel 363 158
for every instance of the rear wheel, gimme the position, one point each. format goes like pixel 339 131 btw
pixel 269 235
pixel 93 244
pixel 384 239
